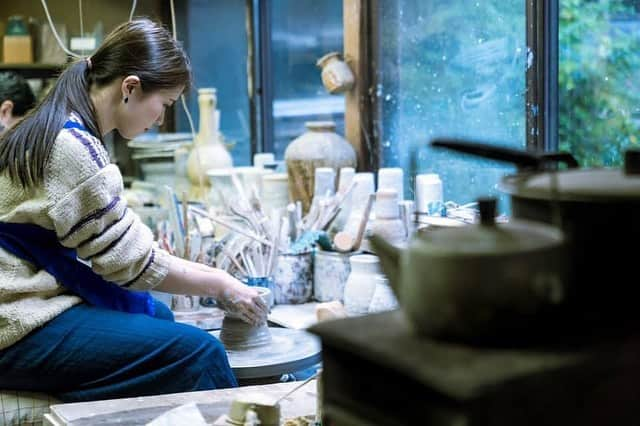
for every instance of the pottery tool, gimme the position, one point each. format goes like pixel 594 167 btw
pixel 330 310
pixel 344 241
pixel 233 259
pixel 259 351
pixel 185 220
pixel 293 222
pixel 299 211
pixel 288 394
pixel 289 350
pixel 273 253
pixel 231 226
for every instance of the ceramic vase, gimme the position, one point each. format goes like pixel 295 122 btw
pixel 383 298
pixel 330 273
pixel 319 146
pixel 360 286
pixel 293 278
pixel 208 151
pixel 336 75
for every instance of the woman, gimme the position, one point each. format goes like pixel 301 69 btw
pixel 16 98
pixel 60 200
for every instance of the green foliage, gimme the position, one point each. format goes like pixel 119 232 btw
pixel 598 80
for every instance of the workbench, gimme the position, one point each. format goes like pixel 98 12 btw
pixel 211 404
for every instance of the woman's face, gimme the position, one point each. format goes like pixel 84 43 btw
pixel 143 110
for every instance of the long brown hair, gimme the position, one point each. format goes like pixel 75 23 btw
pixel 140 47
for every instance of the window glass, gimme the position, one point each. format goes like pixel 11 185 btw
pixel 215 36
pixel 302 31
pixel 451 68
pixel 598 75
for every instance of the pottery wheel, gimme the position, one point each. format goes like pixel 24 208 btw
pixel 288 351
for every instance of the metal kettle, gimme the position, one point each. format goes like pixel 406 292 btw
pixel 480 282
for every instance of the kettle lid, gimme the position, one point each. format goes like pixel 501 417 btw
pixel 582 185
pixel 489 238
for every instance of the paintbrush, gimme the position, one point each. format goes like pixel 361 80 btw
pixel 273 253
pixel 185 220
pixel 232 257
pixel 231 226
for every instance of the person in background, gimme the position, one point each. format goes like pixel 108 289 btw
pixel 16 98
pixel 76 320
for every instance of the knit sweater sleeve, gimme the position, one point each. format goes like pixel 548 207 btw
pixel 90 214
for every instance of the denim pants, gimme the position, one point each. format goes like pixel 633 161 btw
pixel 88 353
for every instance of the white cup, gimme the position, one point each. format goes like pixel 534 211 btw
pixel 262 158
pixel 325 181
pixel 391 178
pixel 365 187
pixel 386 205
pixel 275 192
pixel 428 192
pixel 346 176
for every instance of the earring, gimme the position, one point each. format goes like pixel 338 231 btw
pixel 126 99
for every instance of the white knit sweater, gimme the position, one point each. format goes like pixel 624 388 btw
pixel 81 200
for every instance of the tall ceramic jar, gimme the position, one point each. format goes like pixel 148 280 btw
pixel 208 151
pixel 361 284
pixel 388 223
pixel 319 146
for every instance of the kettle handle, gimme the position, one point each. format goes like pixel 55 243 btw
pixel 522 159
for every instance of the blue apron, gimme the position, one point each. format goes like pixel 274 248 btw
pixel 41 247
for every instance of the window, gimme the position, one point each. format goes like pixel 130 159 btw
pixel 300 32
pixel 599 71
pixel 453 68
pixel 214 34
pixel 288 37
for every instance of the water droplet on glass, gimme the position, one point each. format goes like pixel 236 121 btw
pixel 388 97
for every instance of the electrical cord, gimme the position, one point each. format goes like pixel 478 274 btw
pixel 174 33
pixel 57 36
pixel 133 9
pixel 55 33
pixel 188 114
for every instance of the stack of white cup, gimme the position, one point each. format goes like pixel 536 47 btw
pixel 428 193
pixel 392 178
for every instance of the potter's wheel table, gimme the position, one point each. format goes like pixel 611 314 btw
pixel 289 351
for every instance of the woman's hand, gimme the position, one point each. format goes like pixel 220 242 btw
pixel 242 301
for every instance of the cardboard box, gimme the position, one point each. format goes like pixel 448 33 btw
pixel 17 49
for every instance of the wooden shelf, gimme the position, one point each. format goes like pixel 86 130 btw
pixel 33 70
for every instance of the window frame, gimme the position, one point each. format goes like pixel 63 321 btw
pixel 362 47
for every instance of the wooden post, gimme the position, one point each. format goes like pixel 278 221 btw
pixel 358 119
